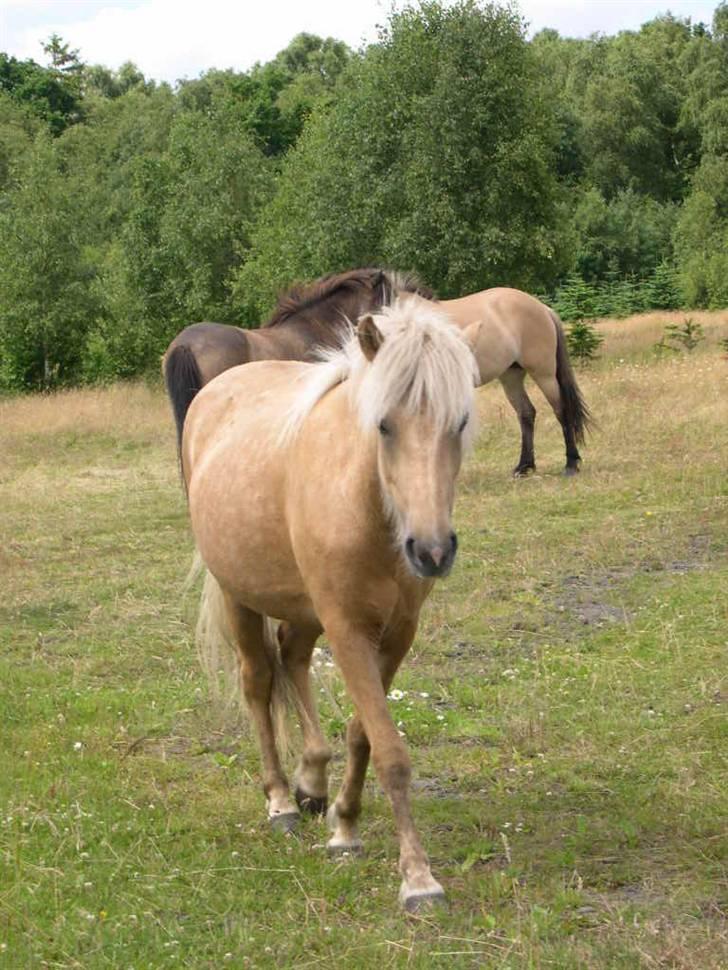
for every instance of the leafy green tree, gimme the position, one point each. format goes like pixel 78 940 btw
pixel 435 154
pixel 50 94
pixel 274 100
pixel 47 303
pixel 563 60
pixel 187 229
pixel 630 111
pixel 103 151
pixel 102 82
pixel 628 236
pixel 704 67
pixel 593 169
pixel 18 126
pixel 701 236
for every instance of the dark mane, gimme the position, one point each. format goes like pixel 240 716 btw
pixel 331 299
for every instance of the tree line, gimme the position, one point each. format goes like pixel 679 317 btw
pixel 593 172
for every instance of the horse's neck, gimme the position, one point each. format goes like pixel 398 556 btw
pixel 294 340
pixel 277 343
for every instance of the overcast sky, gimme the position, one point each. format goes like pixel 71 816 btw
pixel 171 39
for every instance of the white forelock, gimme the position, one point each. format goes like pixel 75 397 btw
pixel 423 362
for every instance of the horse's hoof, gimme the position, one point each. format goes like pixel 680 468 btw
pixel 523 471
pixel 311 804
pixel 284 821
pixel 417 900
pixel 571 470
pixel 338 849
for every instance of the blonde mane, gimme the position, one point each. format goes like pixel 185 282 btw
pixel 423 362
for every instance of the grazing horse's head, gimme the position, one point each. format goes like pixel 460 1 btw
pixel 414 389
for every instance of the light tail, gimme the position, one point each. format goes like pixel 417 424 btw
pixel 218 656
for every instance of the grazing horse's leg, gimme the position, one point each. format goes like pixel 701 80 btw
pixel 357 657
pixel 512 381
pixel 256 674
pixel 550 387
pixel 311 781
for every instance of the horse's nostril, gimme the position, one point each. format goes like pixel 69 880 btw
pixel 436 555
pixel 410 546
pixel 453 543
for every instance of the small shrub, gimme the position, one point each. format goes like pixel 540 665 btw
pixel 686 336
pixel 583 340
pixel 663 347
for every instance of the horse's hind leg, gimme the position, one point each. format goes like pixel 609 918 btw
pixel 550 387
pixel 343 817
pixel 311 776
pixel 512 382
pixel 257 671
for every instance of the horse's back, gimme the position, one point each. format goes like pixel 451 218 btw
pixel 515 328
pixel 215 346
pixel 244 404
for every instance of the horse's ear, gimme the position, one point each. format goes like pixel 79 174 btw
pixel 370 336
pixel 470 333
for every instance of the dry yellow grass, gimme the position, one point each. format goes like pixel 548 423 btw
pixel 134 407
pixel 642 331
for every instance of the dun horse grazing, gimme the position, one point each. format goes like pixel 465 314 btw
pixel 321 495
pixel 306 318
pixel 518 335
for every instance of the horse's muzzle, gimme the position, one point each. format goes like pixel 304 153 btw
pixel 431 560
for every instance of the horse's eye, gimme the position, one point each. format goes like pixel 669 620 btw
pixel 463 423
pixel 384 429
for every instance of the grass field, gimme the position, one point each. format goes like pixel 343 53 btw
pixel 564 704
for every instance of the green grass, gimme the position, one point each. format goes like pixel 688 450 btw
pixel 569 752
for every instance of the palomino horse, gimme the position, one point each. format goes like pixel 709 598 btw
pixel 321 495
pixel 306 318
pixel 518 335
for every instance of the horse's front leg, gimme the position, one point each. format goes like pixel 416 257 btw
pixel 344 814
pixel 368 669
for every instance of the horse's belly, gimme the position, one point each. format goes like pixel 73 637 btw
pixel 295 608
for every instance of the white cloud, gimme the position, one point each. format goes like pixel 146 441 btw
pixel 576 18
pixel 170 39
pixel 174 38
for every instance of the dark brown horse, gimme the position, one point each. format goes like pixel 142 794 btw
pixel 517 335
pixel 307 317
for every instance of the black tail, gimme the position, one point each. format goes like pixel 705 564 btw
pixel 183 379
pixel 575 412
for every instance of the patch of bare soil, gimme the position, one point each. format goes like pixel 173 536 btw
pixel 593 599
